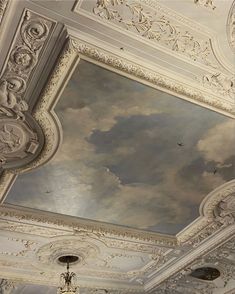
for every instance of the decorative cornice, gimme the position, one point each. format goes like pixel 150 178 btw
pixel 231 27
pixel 44 114
pixel 156 27
pixel 3 6
pixel 220 83
pixel 84 227
pixel 218 257
pixel 217 211
pixel 159 80
pixel 192 255
pixel 206 3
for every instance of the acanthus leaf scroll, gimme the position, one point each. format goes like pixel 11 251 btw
pixel 18 134
pixel 153 25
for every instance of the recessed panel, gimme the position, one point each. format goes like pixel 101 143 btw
pixel 131 155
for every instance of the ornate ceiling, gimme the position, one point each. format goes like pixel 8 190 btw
pixel 117 140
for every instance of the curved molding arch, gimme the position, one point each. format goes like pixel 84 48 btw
pixel 217 211
pixel 231 27
pixel 212 200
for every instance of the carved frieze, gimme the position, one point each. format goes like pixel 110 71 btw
pixel 206 3
pixel 139 239
pixel 159 80
pixel 156 27
pixel 220 83
pixel 225 211
pixel 21 137
pixel 231 27
pixel 6 286
pixel 219 258
pixel 34 31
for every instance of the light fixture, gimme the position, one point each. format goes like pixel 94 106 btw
pixel 68 279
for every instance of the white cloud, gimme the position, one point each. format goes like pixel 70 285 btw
pixel 218 143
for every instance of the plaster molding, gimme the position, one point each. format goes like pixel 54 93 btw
pixel 192 255
pixel 27 246
pixel 151 77
pixel 216 213
pixel 74 49
pixel 218 257
pixel 6 286
pixel 231 27
pixel 210 4
pixel 218 204
pixel 152 24
pixel 83 227
pixel 3 7
pixel 222 84
pixel 20 136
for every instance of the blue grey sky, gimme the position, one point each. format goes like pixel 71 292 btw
pixel 120 161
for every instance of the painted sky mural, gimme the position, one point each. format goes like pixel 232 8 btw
pixel 131 155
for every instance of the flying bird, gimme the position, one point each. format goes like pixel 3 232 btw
pixel 215 171
pixel 180 144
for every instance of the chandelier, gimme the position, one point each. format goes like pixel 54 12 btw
pixel 68 279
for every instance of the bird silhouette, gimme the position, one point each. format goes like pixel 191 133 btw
pixel 180 144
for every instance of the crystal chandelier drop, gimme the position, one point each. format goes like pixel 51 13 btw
pixel 67 281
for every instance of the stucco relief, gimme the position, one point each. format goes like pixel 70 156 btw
pixel 20 135
pixel 220 83
pixel 6 286
pixel 3 6
pixel 153 25
pixel 218 204
pixel 217 213
pixel 219 258
pixel 24 56
pixel 17 141
pixel 206 3
pixel 51 252
pixel 231 27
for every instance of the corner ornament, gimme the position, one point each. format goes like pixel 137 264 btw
pixel 225 211
pixel 217 212
pixel 19 132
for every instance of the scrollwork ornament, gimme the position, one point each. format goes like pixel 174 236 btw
pixel 225 211
pixel 18 130
pixel 34 32
pixel 231 27
pixel 206 3
pixel 23 58
pixel 135 17
pixel 220 83
pixel 6 286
